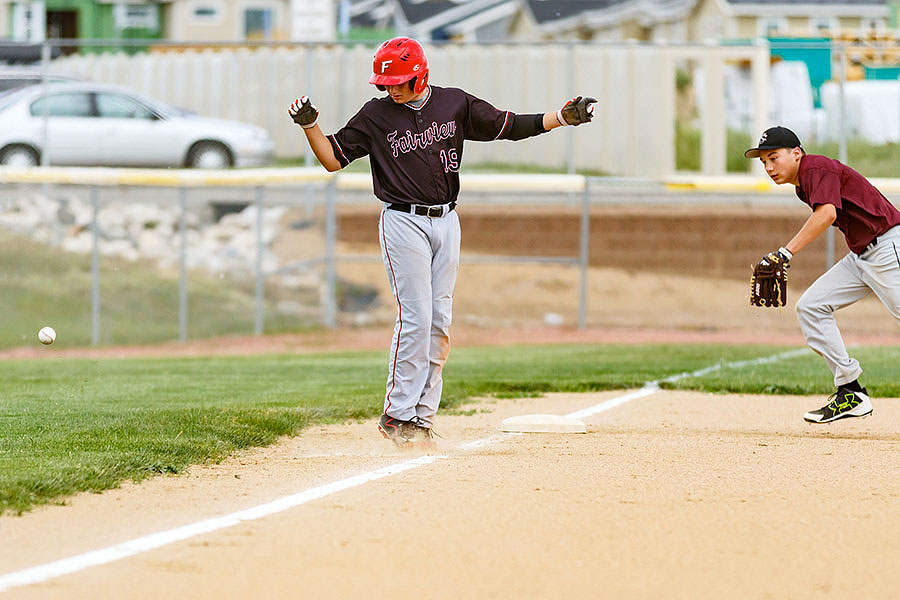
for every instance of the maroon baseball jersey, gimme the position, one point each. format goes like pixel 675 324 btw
pixel 415 153
pixel 863 213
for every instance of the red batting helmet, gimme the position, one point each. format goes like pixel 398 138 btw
pixel 399 60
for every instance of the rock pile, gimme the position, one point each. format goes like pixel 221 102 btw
pixel 147 231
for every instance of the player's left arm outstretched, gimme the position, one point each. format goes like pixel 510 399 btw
pixel 577 111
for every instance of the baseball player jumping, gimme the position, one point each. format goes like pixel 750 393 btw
pixel 838 196
pixel 414 138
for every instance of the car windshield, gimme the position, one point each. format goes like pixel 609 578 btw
pixel 10 97
pixel 169 110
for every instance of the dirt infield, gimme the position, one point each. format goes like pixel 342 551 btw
pixel 676 495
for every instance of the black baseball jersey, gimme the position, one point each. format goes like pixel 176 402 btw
pixel 416 153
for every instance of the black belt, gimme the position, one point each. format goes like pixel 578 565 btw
pixel 425 211
pixel 871 245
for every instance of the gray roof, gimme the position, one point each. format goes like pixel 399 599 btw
pixel 438 17
pixel 433 18
pixel 548 11
pixel 417 11
pixel 545 11
pixel 369 13
pixel 845 2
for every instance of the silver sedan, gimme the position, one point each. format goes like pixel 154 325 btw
pixel 93 124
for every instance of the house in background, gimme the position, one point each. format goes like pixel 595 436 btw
pixel 681 21
pixel 227 20
pixel 177 20
pixel 677 21
pixel 33 20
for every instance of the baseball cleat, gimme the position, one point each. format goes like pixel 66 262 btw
pixel 400 432
pixel 423 439
pixel 842 403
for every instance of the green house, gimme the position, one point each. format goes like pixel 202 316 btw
pixel 84 20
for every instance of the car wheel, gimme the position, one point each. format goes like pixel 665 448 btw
pixel 19 156
pixel 209 155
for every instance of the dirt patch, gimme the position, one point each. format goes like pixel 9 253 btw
pixel 531 304
pixel 677 495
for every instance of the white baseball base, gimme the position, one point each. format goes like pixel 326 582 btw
pixel 542 424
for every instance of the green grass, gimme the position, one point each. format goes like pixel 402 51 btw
pixel 41 286
pixel 87 425
pixel 803 375
pixel 688 149
pixel 871 161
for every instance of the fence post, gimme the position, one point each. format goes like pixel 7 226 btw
pixel 95 267
pixel 45 110
pixel 182 267
pixel 570 133
pixel 585 254
pixel 713 133
pixel 260 248
pixel 308 158
pixel 329 316
pixel 842 145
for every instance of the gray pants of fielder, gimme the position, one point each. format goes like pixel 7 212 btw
pixel 850 279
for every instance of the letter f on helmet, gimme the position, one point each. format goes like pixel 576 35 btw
pixel 400 60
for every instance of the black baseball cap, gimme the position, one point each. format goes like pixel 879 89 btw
pixel 774 138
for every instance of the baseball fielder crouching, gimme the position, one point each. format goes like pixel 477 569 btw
pixel 838 196
pixel 414 137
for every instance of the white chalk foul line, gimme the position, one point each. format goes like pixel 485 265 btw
pixel 110 554
pixel 651 387
pixel 156 540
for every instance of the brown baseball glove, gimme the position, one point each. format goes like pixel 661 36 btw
pixel 768 284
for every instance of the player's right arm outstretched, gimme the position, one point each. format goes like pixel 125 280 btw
pixel 576 111
pixel 305 114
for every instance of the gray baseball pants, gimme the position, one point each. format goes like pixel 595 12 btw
pixel 421 257
pixel 852 278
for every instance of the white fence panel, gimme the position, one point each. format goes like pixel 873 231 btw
pixel 633 133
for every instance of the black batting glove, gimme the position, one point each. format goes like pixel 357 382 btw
pixel 303 112
pixel 578 110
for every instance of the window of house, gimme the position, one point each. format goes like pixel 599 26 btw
pixel 63 105
pixel 771 27
pixel 871 27
pixel 259 23
pixel 824 27
pixel 136 16
pixel 205 12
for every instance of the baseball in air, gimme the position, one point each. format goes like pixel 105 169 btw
pixel 46 335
